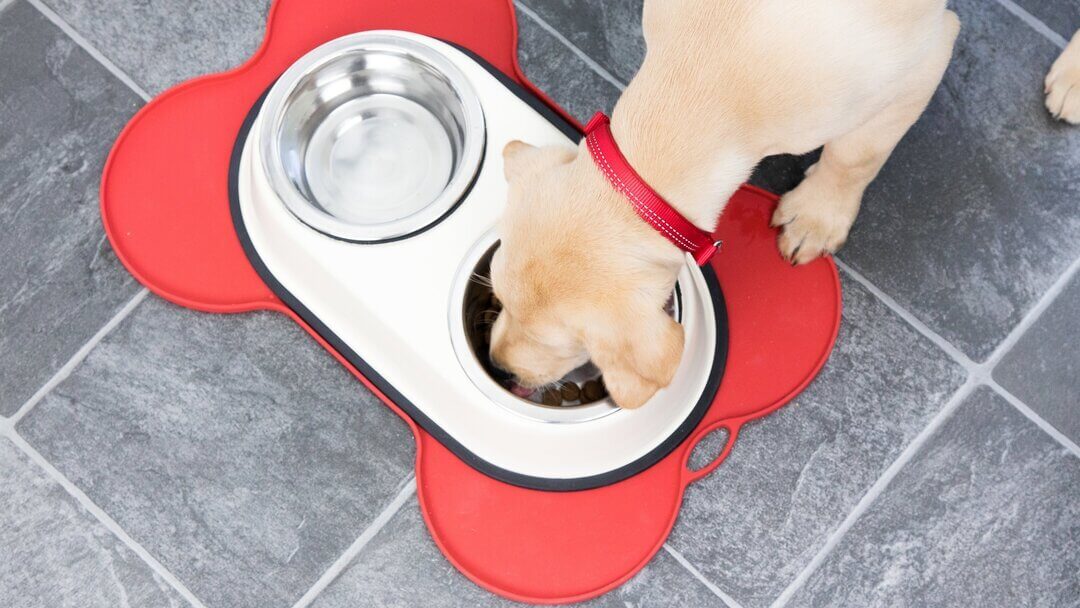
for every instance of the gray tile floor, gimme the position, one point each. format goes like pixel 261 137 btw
pixel 151 456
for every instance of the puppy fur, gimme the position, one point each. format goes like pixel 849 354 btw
pixel 1063 84
pixel 724 83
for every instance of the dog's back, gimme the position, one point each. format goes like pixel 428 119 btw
pixel 798 71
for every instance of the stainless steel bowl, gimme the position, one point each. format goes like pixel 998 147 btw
pixel 372 137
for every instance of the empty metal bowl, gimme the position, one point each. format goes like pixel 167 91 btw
pixel 372 137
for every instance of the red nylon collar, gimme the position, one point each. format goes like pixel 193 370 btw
pixel 647 203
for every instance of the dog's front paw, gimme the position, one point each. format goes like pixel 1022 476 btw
pixel 815 220
pixel 1063 84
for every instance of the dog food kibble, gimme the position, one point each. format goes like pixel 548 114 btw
pixel 593 390
pixel 570 392
pixel 552 398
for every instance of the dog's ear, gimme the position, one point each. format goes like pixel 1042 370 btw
pixel 637 359
pixel 520 159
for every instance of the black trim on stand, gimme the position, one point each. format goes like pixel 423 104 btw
pixel 487 468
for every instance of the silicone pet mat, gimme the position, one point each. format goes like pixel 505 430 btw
pixel 165 206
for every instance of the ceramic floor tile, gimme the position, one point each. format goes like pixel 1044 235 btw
pixel 792 477
pixel 561 74
pixel 59 280
pixel 1062 16
pixel 986 514
pixel 160 44
pixel 234 449
pixel 974 217
pixel 402 567
pixel 1043 368
pixel 56 554
pixel 608 31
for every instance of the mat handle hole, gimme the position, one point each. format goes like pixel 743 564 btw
pixel 708 449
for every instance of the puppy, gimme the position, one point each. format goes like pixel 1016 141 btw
pixel 724 83
pixel 1063 84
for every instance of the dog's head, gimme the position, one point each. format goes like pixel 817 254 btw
pixel 580 278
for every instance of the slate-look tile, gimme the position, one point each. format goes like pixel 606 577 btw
pixel 1043 368
pixel 59 280
pixel 792 477
pixel 232 447
pixel 986 514
pixel 1062 16
pixel 160 44
pixel 608 31
pixel 975 215
pixel 402 567
pixel 55 554
pixel 561 74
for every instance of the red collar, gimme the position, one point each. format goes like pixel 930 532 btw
pixel 649 205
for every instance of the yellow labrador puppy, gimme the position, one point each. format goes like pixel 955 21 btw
pixel 724 83
pixel 1063 84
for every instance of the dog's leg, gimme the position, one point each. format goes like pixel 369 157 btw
pixel 817 215
pixel 1063 84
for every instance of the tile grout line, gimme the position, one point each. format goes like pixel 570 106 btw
pixel 978 375
pixel 102 517
pixel 908 317
pixel 557 35
pixel 685 563
pixel 64 26
pixel 1034 417
pixel 983 372
pixel 1031 316
pixel 81 354
pixel 876 490
pixel 1034 23
pixel 358 545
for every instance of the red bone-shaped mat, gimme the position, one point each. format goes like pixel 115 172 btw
pixel 165 206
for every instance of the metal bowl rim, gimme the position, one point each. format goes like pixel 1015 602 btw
pixel 417 48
